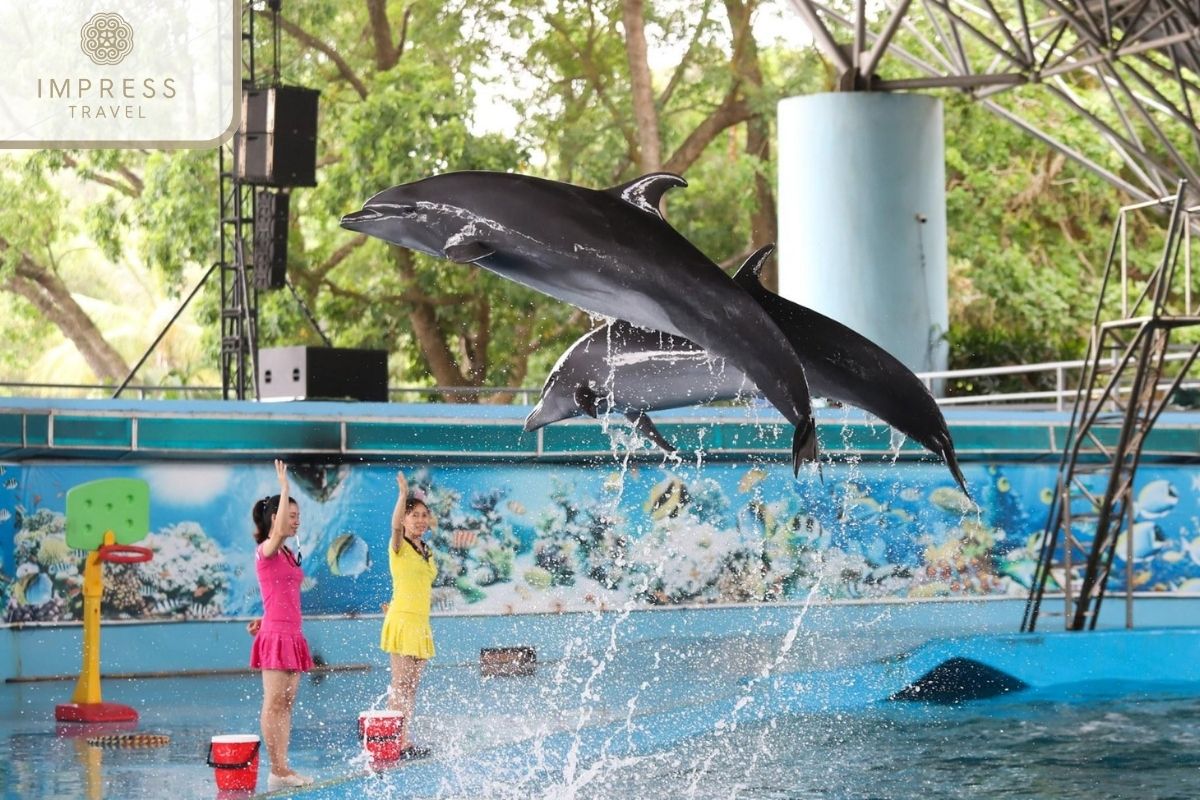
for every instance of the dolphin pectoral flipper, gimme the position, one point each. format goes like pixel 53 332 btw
pixel 646 192
pixel 466 252
pixel 646 428
pixel 585 398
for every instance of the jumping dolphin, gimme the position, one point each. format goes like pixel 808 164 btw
pixel 609 252
pixel 621 367
pixel 618 366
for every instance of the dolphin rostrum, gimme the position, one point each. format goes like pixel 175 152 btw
pixel 624 368
pixel 609 252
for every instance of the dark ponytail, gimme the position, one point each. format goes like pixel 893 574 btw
pixel 262 514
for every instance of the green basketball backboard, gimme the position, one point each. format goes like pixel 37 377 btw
pixel 120 505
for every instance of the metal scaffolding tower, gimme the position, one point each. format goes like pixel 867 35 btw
pixel 239 296
pixel 1144 57
pixel 1133 370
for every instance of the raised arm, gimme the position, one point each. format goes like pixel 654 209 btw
pixel 398 511
pixel 278 525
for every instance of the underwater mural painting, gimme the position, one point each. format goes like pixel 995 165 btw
pixel 581 536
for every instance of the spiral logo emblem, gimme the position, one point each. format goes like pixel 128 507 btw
pixel 106 38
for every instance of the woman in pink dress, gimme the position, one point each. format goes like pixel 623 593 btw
pixel 280 649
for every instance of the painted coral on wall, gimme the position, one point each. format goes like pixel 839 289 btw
pixel 518 538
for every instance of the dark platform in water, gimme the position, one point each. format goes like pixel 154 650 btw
pixel 957 680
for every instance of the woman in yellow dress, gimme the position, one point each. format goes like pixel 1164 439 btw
pixel 407 635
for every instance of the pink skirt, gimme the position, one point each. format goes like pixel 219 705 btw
pixel 282 651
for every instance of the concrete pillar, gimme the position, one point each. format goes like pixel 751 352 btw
pixel 862 217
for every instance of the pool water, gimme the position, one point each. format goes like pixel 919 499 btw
pixel 1088 746
pixel 659 718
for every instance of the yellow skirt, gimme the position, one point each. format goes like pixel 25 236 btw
pixel 407 635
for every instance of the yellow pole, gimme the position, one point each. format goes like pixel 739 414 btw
pixel 87 689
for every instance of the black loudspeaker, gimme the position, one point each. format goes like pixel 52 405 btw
pixel 277 143
pixel 322 373
pixel 270 239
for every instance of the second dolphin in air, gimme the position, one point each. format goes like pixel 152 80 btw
pixel 635 371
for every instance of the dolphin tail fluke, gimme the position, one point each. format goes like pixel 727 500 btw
pixel 804 445
pixel 944 447
pixel 647 428
pixel 952 462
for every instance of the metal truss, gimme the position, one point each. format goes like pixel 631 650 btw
pixel 239 295
pixel 1143 55
pixel 1134 370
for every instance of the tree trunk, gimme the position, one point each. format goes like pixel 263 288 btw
pixel 764 220
pixel 644 112
pixel 475 343
pixel 732 111
pixel 386 54
pixel 432 341
pixel 764 225
pixel 51 296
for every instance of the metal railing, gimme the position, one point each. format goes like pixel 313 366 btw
pixel 97 391
pixel 1063 393
pixel 1065 380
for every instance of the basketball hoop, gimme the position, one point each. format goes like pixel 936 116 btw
pixel 125 553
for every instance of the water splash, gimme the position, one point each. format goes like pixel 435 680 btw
pixel 729 723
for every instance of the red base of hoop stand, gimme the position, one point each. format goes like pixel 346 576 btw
pixel 94 712
pixel 72 730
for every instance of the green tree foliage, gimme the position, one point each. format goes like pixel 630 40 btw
pixel 40 226
pixel 1024 229
pixel 1028 237
pixel 413 89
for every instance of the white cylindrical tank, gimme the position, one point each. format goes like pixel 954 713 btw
pixel 862 217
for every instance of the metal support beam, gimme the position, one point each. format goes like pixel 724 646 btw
pixel 821 34
pixel 885 38
pixel 1146 51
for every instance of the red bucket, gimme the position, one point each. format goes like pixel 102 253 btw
pixel 381 732
pixel 234 759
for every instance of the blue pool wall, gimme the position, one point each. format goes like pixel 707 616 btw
pixel 42 651
pixel 574 524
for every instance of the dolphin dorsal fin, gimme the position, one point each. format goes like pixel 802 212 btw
pixel 646 192
pixel 751 268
